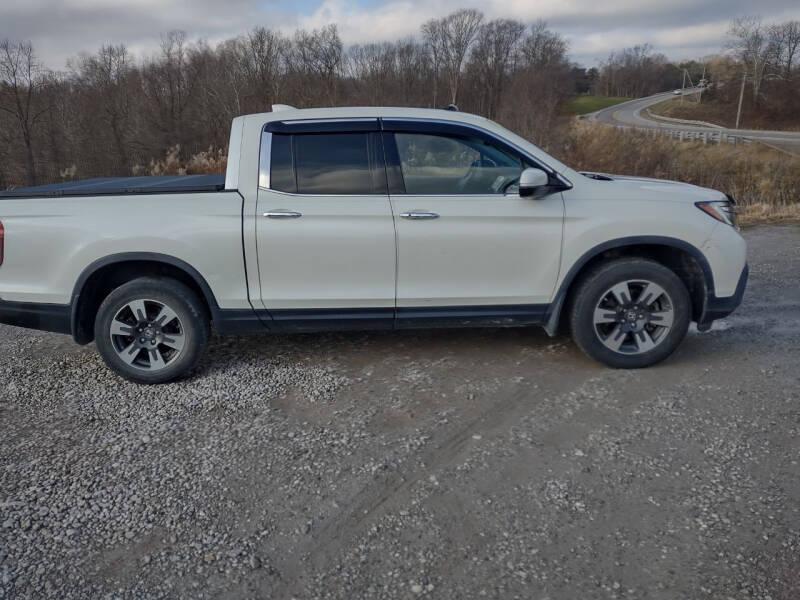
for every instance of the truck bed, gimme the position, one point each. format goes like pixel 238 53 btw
pixel 115 186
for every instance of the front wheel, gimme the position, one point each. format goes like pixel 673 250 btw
pixel 630 313
pixel 151 330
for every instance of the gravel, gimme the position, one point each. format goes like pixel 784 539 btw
pixel 437 464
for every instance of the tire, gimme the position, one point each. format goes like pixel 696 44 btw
pixel 170 324
pixel 633 330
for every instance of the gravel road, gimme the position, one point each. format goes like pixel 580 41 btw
pixel 436 464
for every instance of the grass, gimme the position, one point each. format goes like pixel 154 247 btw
pixel 724 114
pixel 582 105
pixel 664 108
pixel 759 214
pixel 689 110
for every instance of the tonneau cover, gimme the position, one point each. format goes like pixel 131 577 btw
pixel 107 186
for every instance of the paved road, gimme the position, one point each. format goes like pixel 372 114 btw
pixel 494 463
pixel 631 114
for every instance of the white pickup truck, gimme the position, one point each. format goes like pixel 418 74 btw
pixel 368 218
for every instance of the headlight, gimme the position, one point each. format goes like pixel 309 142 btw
pixel 721 210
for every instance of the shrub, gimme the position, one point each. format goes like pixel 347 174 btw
pixel 209 162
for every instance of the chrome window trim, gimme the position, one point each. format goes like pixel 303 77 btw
pixel 322 195
pixel 499 194
pixel 265 160
pixel 234 154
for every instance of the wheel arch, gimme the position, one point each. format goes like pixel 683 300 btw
pixel 104 274
pixel 683 258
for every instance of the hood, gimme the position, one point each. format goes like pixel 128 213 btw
pixel 657 189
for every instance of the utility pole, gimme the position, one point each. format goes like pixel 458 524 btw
pixel 702 84
pixel 683 85
pixel 741 97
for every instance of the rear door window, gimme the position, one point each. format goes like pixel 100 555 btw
pixel 324 163
pixel 282 170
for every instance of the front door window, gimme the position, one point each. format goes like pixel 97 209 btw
pixel 448 165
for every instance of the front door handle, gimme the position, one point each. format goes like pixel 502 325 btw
pixel 417 214
pixel 282 213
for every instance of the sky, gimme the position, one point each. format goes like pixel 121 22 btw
pixel 60 29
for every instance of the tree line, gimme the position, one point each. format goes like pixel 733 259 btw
pixel 636 72
pixel 110 111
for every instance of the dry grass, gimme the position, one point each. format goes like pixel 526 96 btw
pixel 582 105
pixel 765 182
pixel 724 114
pixel 209 162
pixel 757 214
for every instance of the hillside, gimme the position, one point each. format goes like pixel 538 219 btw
pixel 723 113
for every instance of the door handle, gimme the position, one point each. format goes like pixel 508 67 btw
pixel 282 213
pixel 416 214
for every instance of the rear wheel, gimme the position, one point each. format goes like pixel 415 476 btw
pixel 151 330
pixel 630 313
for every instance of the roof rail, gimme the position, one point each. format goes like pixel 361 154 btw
pixel 280 107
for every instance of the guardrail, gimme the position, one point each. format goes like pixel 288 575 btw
pixel 710 136
pixel 713 136
pixel 656 117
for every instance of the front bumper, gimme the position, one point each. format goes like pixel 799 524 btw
pixel 34 315
pixel 717 308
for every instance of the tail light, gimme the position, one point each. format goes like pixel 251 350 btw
pixel 2 242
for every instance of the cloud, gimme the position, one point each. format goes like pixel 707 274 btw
pixel 60 29
pixel 388 22
pixel 680 29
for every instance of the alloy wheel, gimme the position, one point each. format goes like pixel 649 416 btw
pixel 633 316
pixel 147 334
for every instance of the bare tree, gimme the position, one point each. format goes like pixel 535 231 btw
pixel 105 78
pixel 540 84
pixel 751 45
pixel 785 43
pixel 493 56
pixel 21 78
pixel 414 72
pixel 450 39
pixel 637 71
pixel 371 67
pixel 263 54
pixel 543 47
pixel 317 56
pixel 169 85
pixel 434 37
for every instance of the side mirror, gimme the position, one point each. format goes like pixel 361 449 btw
pixel 533 182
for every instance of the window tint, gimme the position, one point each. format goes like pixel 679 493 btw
pixel 282 170
pixel 440 164
pixel 328 163
pixel 336 163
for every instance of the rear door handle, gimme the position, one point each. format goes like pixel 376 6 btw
pixel 417 214
pixel 282 213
